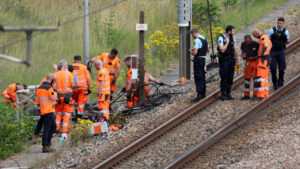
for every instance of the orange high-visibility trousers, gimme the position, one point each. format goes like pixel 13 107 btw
pixel 63 113
pixel 250 71
pixel 80 98
pixel 133 100
pixel 103 104
pixel 261 82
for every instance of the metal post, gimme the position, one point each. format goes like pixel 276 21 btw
pixel 184 18
pixel 28 37
pixel 141 62
pixel 86 32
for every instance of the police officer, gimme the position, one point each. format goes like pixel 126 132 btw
pixel 279 37
pixel 228 58
pixel 201 47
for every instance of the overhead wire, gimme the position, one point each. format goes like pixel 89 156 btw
pixel 112 3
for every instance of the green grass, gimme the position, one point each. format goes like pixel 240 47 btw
pixel 113 27
pixel 14 133
pixel 243 15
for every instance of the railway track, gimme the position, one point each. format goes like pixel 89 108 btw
pixel 160 142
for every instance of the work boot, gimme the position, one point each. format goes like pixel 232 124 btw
pixel 198 98
pixel 46 149
pixel 245 98
pixel 229 97
pixel 224 97
pixel 35 138
pixel 275 87
pixel 257 98
pixel 64 136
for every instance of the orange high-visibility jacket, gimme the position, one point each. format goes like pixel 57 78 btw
pixel 264 39
pixel 64 80
pixel 45 98
pixel 103 77
pixel 10 92
pixel 109 64
pixel 129 82
pixel 81 73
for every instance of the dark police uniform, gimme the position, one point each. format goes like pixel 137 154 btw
pixel 279 38
pixel 202 45
pixel 227 63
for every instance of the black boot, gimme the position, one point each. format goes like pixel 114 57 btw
pixel 229 96
pixel 224 96
pixel 198 98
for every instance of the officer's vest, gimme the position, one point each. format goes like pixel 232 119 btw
pixel 278 39
pixel 202 51
pixel 229 53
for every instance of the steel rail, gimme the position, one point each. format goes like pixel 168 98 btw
pixel 173 122
pixel 239 121
pixel 236 123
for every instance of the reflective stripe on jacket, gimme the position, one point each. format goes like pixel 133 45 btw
pixel 82 74
pixel 103 77
pixel 64 80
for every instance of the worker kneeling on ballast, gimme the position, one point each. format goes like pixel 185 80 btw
pixel 132 85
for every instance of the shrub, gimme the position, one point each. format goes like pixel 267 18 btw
pixel 14 134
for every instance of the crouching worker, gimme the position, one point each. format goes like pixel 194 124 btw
pixel 131 85
pixel 10 93
pixel 103 88
pixel 46 100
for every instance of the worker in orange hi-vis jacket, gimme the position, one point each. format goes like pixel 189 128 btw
pixel 82 84
pixel 10 93
pixel 261 82
pixel 46 100
pixel 64 108
pixel 131 85
pixel 103 88
pixel 112 63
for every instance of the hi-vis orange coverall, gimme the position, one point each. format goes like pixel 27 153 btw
pixel 64 108
pixel 10 94
pixel 251 51
pixel 104 93
pixel 111 65
pixel 132 84
pixel 261 82
pixel 82 83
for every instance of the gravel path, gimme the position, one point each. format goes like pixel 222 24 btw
pixel 270 140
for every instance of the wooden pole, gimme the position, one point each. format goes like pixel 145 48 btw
pixel 141 62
